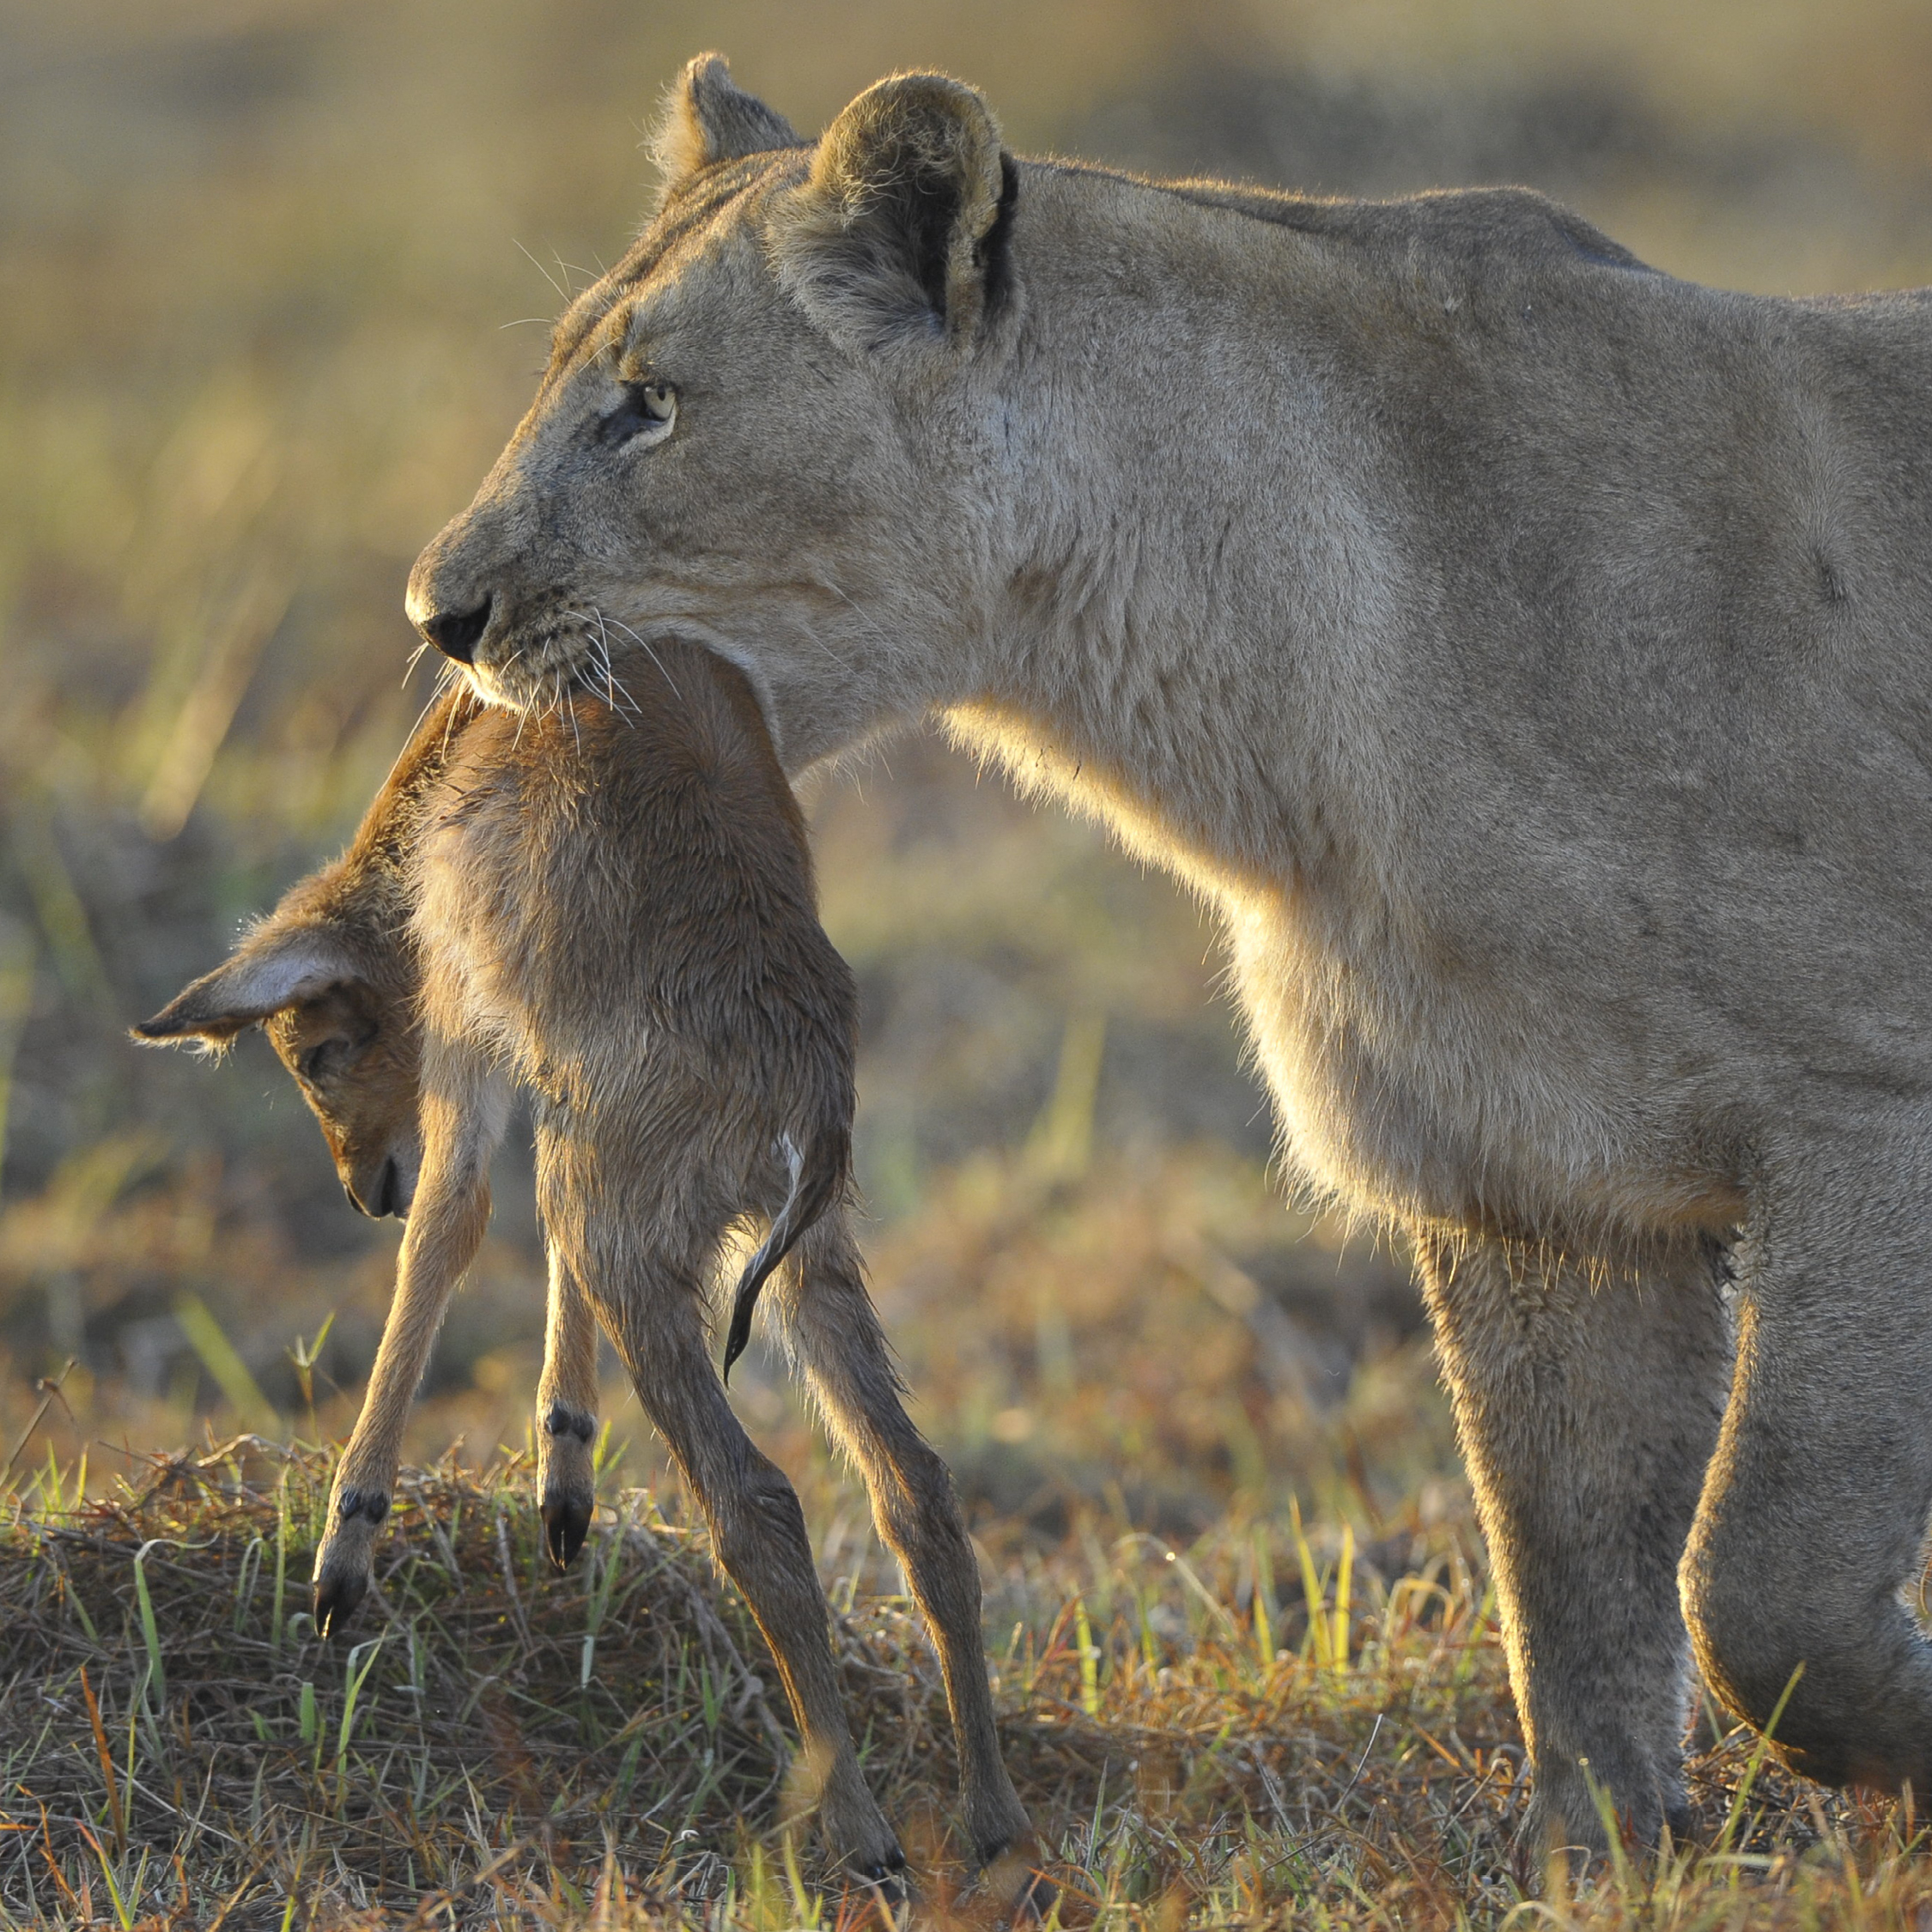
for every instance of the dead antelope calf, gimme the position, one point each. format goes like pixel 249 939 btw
pixel 613 909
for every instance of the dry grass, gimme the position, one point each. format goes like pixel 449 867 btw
pixel 479 1709
pixel 267 309
pixel 1259 1727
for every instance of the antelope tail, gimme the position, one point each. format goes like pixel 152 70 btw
pixel 818 1177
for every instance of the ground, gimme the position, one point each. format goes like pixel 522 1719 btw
pixel 1271 1723
pixel 274 277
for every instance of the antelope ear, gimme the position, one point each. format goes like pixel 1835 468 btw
pixel 900 231
pixel 272 968
pixel 708 118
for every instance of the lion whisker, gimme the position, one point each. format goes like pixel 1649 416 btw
pixel 612 683
pixel 563 294
pixel 600 656
pixel 853 604
pixel 652 655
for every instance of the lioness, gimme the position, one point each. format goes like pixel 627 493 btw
pixel 1530 654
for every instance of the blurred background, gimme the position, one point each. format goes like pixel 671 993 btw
pixel 274 281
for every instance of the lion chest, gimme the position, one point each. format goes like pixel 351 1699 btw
pixel 1413 1094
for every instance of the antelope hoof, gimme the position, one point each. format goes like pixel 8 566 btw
pixel 567 1520
pixel 1008 1871
pixel 337 1594
pixel 1033 1903
pixel 886 1879
pixel 342 1564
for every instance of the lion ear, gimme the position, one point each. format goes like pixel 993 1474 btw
pixel 273 968
pixel 708 118
pixel 899 232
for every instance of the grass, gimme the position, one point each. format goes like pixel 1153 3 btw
pixel 269 306
pixel 1272 1725
pixel 477 1712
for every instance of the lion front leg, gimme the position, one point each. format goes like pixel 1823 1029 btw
pixel 1814 1521
pixel 1588 1399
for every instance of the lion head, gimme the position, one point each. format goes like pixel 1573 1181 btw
pixel 775 425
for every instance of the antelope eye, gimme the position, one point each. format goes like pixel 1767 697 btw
pixel 647 405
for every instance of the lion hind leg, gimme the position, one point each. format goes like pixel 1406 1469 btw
pixel 1814 1519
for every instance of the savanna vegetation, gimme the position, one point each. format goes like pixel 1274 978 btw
pixel 273 285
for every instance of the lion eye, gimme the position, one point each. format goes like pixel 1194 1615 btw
pixel 647 405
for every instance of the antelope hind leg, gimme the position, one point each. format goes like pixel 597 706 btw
pixel 833 1331
pixel 567 1418
pixel 654 1312
pixel 1587 1409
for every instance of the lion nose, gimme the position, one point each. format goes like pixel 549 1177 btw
pixel 454 633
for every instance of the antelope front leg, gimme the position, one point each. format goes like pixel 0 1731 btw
pixel 445 1227
pixel 567 1418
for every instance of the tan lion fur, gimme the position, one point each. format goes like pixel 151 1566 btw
pixel 1526 652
